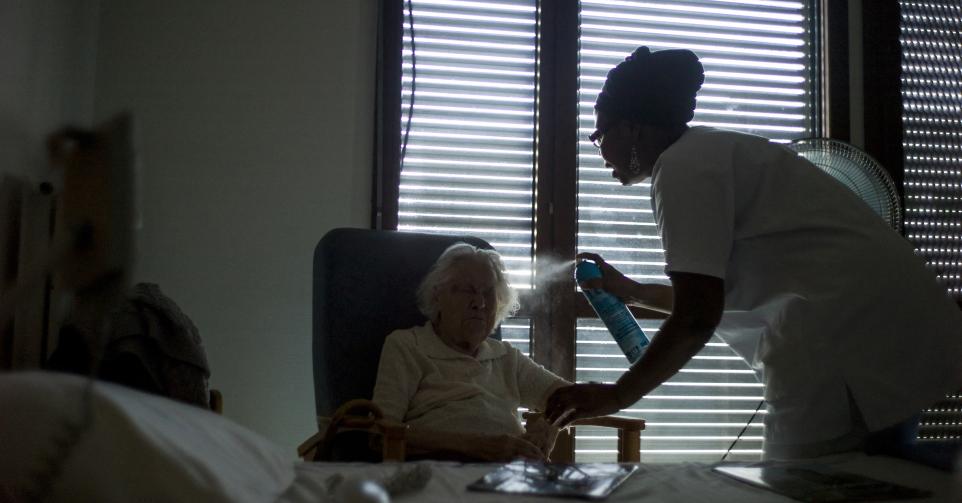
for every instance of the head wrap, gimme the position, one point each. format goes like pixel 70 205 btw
pixel 653 87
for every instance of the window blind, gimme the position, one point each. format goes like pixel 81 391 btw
pixel 932 145
pixel 469 160
pixel 758 76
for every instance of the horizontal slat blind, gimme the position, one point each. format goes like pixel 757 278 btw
pixel 932 119
pixel 468 167
pixel 517 332
pixel 932 145
pixel 757 79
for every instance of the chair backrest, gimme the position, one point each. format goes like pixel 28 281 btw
pixel 364 288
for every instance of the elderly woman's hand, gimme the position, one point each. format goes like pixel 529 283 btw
pixel 506 448
pixel 541 433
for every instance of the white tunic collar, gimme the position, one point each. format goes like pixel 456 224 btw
pixel 434 347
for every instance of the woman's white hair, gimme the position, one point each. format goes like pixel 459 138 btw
pixel 441 273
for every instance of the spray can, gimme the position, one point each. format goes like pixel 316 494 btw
pixel 613 313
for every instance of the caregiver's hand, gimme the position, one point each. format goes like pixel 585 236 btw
pixel 581 400
pixel 612 280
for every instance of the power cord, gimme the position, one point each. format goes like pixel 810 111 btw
pixel 414 78
pixel 743 429
pixel 50 467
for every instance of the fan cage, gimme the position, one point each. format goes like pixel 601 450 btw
pixel 858 171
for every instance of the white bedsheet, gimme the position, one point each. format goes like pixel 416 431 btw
pixel 141 447
pixel 661 483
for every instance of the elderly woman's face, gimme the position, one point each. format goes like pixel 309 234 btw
pixel 467 305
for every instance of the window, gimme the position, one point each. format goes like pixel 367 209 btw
pixel 503 94
pixel 932 144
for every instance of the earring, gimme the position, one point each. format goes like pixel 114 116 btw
pixel 634 164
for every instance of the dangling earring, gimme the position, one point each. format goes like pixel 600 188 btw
pixel 634 164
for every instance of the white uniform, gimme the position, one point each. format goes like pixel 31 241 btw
pixel 822 298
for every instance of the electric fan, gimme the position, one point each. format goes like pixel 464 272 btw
pixel 856 170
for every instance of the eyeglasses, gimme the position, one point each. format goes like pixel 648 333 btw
pixel 473 291
pixel 597 138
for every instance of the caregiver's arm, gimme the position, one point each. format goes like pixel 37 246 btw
pixel 654 296
pixel 699 302
pixel 698 305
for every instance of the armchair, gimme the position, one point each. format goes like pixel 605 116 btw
pixel 364 288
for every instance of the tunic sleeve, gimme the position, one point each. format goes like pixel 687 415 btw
pixel 694 210
pixel 398 376
pixel 535 383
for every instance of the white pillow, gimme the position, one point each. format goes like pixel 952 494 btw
pixel 137 447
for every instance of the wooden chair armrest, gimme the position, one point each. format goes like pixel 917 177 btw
pixel 393 432
pixel 381 426
pixel 309 445
pixel 629 436
pixel 622 423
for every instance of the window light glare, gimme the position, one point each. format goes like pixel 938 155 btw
pixel 461 57
pixel 471 70
pixel 406 92
pixel 682 8
pixel 476 44
pixel 469 137
pixel 729 49
pixel 471 19
pixel 415 201
pixel 418 214
pixel 504 7
pixel 471 150
pixel 423 27
pixel 693 34
pixel 460 176
pixel 632 410
pixel 468 123
pixel 408 187
pixel 473 110
pixel 683 21
pixel 440 229
pixel 469 83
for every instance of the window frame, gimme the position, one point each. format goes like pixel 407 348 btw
pixel 387 126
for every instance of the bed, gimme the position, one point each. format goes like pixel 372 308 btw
pixel 140 447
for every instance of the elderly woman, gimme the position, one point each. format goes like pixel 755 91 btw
pixel 456 388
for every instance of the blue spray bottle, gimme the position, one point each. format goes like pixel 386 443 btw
pixel 615 315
